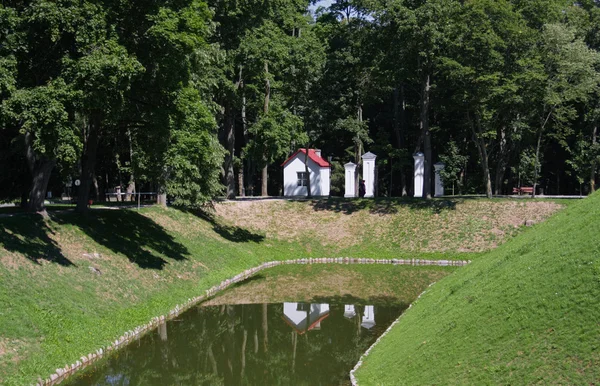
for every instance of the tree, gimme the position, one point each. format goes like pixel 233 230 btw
pixel 562 72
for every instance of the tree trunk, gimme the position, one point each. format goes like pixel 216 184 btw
pixel 244 164
pixel 358 151
pixel 265 172
pixel 229 126
pixel 536 161
pixel 537 150
pixel 424 123
pixel 88 163
pixel 101 183
pixel 161 197
pixel 97 188
pixel 594 165
pixel 131 184
pixel 265 177
pixel 399 129
pixel 483 155
pixel 41 175
pixel 503 155
pixel 41 170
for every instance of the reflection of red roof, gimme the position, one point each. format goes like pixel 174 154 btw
pixel 312 155
pixel 315 323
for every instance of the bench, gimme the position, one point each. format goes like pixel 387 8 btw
pixel 523 190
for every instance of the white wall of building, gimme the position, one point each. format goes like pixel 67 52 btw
pixel 325 181
pixel 319 178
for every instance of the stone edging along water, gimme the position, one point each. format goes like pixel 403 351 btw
pixel 364 355
pixel 131 335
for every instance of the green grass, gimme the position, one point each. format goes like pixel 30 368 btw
pixel 54 308
pixel 383 226
pixel 69 285
pixel 527 312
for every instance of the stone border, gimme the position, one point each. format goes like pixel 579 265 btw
pixel 353 379
pixel 62 373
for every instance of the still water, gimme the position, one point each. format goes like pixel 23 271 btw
pixel 250 344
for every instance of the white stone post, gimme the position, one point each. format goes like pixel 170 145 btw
pixel 439 184
pixel 419 171
pixel 369 173
pixel 350 185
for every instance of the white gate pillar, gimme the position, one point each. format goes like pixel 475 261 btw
pixel 419 171
pixel 369 173
pixel 350 169
pixel 439 184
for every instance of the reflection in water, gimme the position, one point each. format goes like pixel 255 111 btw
pixel 304 317
pixel 262 344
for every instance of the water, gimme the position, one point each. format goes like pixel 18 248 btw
pixel 255 344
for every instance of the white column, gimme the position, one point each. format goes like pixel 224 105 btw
pixel 439 184
pixel 369 173
pixel 419 170
pixel 350 185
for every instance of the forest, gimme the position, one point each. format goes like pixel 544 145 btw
pixel 196 99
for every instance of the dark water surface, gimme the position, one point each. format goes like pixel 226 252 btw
pixel 254 344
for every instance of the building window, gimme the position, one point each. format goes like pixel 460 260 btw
pixel 302 180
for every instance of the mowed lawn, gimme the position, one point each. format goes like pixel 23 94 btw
pixel 527 312
pixel 70 285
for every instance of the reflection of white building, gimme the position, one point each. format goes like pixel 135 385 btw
pixel 368 320
pixel 304 317
pixel 349 311
pixel 368 317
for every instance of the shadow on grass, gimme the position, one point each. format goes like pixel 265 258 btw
pixel 29 235
pixel 382 205
pixel 228 232
pixel 140 239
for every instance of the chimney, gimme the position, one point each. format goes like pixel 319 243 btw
pixel 318 152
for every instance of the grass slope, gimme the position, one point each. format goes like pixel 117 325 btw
pixel 527 312
pixel 384 226
pixel 69 285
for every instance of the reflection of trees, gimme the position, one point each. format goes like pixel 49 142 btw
pixel 242 345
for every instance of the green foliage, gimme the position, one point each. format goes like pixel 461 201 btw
pixel 274 135
pixel 43 112
pixel 454 163
pixel 584 156
pixel 194 155
pixel 526 169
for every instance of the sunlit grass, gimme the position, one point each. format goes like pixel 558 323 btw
pixel 525 313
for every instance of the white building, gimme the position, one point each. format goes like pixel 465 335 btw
pixel 294 174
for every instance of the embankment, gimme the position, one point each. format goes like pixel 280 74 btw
pixel 69 285
pixel 527 312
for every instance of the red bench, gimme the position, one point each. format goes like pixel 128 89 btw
pixel 523 190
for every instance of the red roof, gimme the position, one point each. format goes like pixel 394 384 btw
pixel 312 155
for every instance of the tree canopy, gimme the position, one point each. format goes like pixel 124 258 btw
pixel 196 99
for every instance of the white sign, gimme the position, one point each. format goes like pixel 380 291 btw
pixel 77 182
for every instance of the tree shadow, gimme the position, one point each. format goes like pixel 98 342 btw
pixel 29 235
pixel 140 239
pixel 228 232
pixel 382 205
